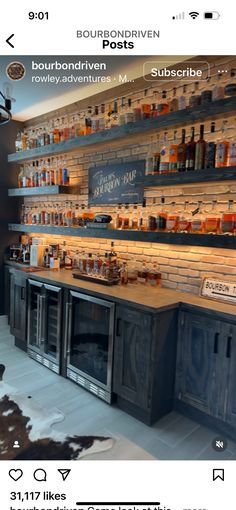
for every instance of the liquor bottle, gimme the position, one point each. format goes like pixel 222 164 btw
pixel 184 223
pixel 88 121
pixel 218 91
pixel 114 115
pixel 47 171
pixel 137 111
pixel 222 150
pixel 164 154
pixel 56 132
pixel 212 224
pixel 210 152
pixel 154 104
pixel 134 218
pixel 145 106
pixel 156 155
pixel 190 152
pixel 163 106
pixel 68 260
pixel 228 220
pixel 143 274
pixel 129 114
pixel 65 174
pixel 172 219
pixel 122 112
pixel 108 117
pixel 232 154
pixel 182 98
pixel 154 276
pixel 173 156
pixel 161 216
pixel 149 159
pixel 174 103
pixel 198 220
pixel 125 218
pixel 95 119
pixel 24 141
pixel 118 218
pixel 124 274
pixel 200 150
pixel 102 124
pixel 20 177
pixel 182 153
pixel 18 142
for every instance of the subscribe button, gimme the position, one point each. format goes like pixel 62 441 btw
pixel 191 70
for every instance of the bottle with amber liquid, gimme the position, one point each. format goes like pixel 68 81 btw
pixel 174 103
pixel 190 152
pixel 181 156
pixel 172 220
pixel 200 150
pixel 163 106
pixel 198 220
pixel 228 220
pixel 154 276
pixel 143 274
pixel 212 225
pixel 184 223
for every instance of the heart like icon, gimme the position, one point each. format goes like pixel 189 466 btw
pixel 15 474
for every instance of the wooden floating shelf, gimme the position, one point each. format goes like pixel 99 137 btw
pixel 192 177
pixel 43 190
pixel 209 240
pixel 212 110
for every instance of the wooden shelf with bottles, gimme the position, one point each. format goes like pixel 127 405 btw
pixel 208 240
pixel 43 190
pixel 214 110
pixel 227 173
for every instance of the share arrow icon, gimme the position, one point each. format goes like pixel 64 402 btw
pixel 64 473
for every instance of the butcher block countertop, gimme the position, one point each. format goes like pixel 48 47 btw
pixel 138 295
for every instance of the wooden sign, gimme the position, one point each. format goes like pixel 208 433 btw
pixel 217 289
pixel 120 183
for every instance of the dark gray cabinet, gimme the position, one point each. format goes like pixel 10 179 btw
pixel 206 366
pixel 144 344
pixel 44 324
pixel 7 291
pixel 18 308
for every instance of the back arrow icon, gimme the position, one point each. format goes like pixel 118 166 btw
pixel 8 40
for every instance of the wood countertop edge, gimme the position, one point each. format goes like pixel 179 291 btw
pixel 170 299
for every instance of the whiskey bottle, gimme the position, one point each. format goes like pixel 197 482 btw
pixel 190 152
pixel 198 220
pixel 173 156
pixel 181 154
pixel 210 153
pixel 164 155
pixel 228 220
pixel 200 150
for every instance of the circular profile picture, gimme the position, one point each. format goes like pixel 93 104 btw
pixel 15 71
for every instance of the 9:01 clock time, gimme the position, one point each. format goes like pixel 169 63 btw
pixel 38 15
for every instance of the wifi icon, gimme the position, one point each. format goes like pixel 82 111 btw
pixel 194 14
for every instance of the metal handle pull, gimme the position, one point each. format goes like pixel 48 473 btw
pixel 229 345
pixel 216 343
pixel 67 330
pixel 22 293
pixel 42 301
pixel 38 320
pixel 118 321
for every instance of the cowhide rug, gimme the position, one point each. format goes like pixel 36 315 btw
pixel 23 420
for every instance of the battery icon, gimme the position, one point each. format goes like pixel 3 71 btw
pixel 211 15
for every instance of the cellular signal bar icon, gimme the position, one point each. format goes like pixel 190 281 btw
pixel 179 16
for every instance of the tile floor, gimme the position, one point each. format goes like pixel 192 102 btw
pixel 174 437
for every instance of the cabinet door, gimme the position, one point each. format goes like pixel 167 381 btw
pixel 51 310
pixel 34 314
pixel 198 361
pixel 230 358
pixel 18 306
pixel 7 289
pixel 132 356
